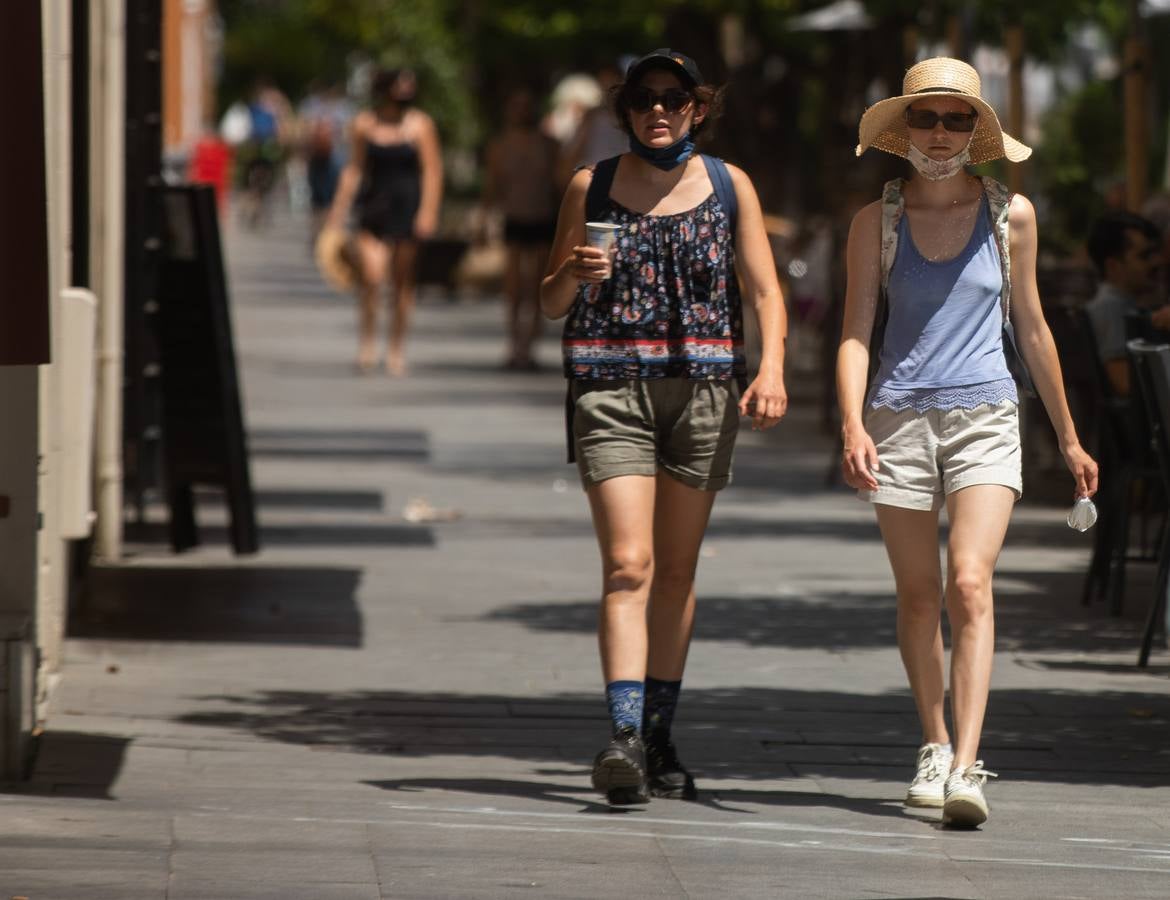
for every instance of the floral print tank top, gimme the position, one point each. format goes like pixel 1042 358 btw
pixel 671 308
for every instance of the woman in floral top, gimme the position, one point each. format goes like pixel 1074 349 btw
pixel 653 349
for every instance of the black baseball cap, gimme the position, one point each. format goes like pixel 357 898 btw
pixel 671 60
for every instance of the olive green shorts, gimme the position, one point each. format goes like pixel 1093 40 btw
pixel 636 427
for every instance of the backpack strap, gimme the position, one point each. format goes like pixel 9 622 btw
pixel 598 192
pixel 605 169
pixel 724 189
pixel 893 208
pixel 999 201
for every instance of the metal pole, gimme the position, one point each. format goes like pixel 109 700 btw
pixel 110 107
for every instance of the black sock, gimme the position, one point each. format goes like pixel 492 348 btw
pixel 661 701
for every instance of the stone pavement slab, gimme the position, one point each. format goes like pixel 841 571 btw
pixel 389 704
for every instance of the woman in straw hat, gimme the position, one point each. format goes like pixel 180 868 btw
pixel 943 260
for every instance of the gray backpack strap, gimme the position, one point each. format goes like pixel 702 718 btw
pixel 893 208
pixel 999 201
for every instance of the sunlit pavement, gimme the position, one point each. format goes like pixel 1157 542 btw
pixel 399 697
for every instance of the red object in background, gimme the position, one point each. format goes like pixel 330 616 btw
pixel 211 163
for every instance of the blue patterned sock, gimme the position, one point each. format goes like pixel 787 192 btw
pixel 661 701
pixel 625 700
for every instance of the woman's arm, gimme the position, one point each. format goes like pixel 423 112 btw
pixel 491 168
pixel 351 175
pixel 863 283
pixel 430 154
pixel 1038 348
pixel 765 400
pixel 570 263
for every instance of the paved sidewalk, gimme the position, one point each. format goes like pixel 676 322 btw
pixel 384 706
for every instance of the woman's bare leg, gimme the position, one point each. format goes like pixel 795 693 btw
pixel 513 292
pixel 979 518
pixel 911 539
pixel 375 260
pixel 680 520
pixel 623 516
pixel 402 275
pixel 529 317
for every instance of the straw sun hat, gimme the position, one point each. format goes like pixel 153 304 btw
pixel 337 259
pixel 883 125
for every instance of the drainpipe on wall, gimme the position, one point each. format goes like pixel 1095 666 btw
pixel 107 164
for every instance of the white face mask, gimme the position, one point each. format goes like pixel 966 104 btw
pixel 938 169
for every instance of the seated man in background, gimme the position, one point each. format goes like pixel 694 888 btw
pixel 1126 249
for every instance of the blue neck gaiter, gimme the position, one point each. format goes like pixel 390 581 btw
pixel 665 158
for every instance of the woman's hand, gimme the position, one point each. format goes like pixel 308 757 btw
pixel 425 224
pixel 589 264
pixel 1083 468
pixel 859 460
pixel 765 400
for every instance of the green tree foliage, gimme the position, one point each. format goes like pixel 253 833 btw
pixel 1080 156
pixel 794 99
pixel 295 42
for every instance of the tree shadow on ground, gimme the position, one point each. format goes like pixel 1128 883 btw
pixel 349 444
pixel 1037 613
pixel 723 799
pixel 73 764
pixel 248 603
pixel 748 733
pixel 299 534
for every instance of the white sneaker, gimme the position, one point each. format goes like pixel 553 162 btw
pixel 963 802
pixel 934 762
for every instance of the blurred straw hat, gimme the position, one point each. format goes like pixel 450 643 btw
pixel 337 259
pixel 883 125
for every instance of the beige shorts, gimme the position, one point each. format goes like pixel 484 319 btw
pixel 922 457
pixel 636 427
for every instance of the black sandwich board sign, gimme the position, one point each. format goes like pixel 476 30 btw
pixel 203 425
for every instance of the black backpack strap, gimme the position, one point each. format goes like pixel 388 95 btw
pixel 724 189
pixel 598 193
pixel 570 409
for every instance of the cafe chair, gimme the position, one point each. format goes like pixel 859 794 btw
pixel 1151 364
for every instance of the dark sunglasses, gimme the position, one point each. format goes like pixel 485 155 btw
pixel 673 100
pixel 926 119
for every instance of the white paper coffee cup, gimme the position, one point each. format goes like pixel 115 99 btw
pixel 601 235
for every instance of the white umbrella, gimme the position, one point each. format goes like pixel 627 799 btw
pixel 844 15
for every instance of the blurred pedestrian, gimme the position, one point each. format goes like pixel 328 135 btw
pixel 324 118
pixel 1126 250
pixel 521 181
pixel 395 174
pixel 597 136
pixel 653 350
pixel 938 425
pixel 262 151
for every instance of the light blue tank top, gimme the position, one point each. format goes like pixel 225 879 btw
pixel 943 346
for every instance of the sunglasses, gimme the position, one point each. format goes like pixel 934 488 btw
pixel 926 119
pixel 673 100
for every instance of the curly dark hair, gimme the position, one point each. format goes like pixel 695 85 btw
pixel 708 95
